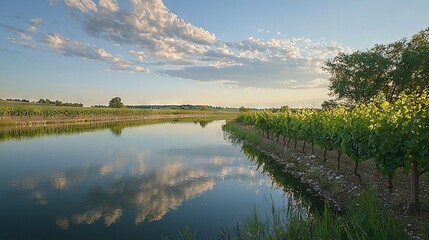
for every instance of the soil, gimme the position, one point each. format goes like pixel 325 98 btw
pixel 341 186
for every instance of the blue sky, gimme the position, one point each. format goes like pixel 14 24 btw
pixel 225 53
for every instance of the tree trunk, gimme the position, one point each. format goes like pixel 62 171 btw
pixel 356 173
pixel 288 141
pixel 414 193
pixel 295 143
pixel 392 93
pixel 338 160
pixel 390 184
pixel 284 140
pixel 324 155
pixel 303 147
pixel 278 138
pixel 312 148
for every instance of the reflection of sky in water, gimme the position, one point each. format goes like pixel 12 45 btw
pixel 148 180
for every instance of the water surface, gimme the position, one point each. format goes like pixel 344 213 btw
pixel 141 182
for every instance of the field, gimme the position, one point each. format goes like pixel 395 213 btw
pixel 18 113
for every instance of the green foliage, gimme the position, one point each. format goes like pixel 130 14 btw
pixel 392 69
pixel 44 111
pixel 284 108
pixel 116 102
pixel 329 104
pixel 243 109
pixel 204 108
pixel 358 76
pixel 59 103
pixel 362 220
pixel 391 134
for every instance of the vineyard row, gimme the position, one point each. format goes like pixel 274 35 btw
pixel 392 135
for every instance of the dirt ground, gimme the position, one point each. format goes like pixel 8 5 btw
pixel 341 186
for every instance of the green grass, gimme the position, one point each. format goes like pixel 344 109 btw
pixel 240 134
pixel 14 133
pixel 185 234
pixel 42 110
pixel 363 220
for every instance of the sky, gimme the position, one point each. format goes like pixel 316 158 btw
pixel 223 53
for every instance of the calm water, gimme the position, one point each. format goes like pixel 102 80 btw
pixel 141 182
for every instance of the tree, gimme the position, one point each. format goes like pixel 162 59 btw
pixel 284 108
pixel 415 63
pixel 392 69
pixel 116 102
pixel 204 108
pixel 329 104
pixel 243 109
pixel 358 76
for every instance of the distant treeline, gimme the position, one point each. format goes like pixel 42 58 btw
pixel 45 101
pixel 17 100
pixel 59 103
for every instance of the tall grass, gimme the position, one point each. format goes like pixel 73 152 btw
pixel 239 134
pixel 363 220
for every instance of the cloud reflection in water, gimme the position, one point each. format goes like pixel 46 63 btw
pixel 151 185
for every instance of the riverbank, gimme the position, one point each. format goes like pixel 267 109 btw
pixel 85 115
pixel 341 187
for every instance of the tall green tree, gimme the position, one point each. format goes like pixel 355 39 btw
pixel 358 76
pixel 391 69
pixel 116 102
pixel 415 63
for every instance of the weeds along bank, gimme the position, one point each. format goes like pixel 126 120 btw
pixel 35 115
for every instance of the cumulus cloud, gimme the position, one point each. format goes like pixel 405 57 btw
pixel 84 6
pixel 264 64
pixel 138 54
pixel 151 35
pixel 70 47
pixel 149 26
pixel 255 74
pixel 34 24
pixel 109 5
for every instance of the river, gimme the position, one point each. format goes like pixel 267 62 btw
pixel 135 182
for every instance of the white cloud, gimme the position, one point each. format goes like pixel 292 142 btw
pixel 36 21
pixel 149 26
pixel 109 5
pixel 70 47
pixel 315 83
pixel 138 54
pixel 264 64
pixel 52 2
pixel 34 24
pixel 25 36
pixel 253 74
pixel 85 6
pixel 161 39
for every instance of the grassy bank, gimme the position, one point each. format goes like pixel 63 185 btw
pixel 362 220
pixel 364 217
pixel 27 132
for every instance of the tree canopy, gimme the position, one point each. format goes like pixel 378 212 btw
pixel 116 102
pixel 395 68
